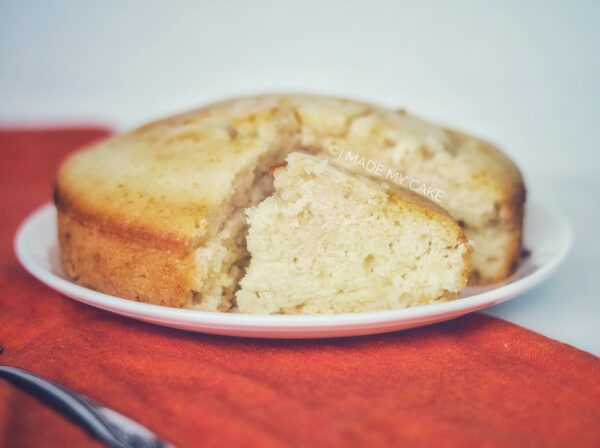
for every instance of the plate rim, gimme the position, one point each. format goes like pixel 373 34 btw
pixel 180 316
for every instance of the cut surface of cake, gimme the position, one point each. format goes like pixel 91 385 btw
pixel 331 241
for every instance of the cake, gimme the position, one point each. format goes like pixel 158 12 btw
pixel 328 241
pixel 157 214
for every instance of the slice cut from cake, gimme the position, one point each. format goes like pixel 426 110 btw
pixel 331 241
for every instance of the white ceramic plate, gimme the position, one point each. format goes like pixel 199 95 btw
pixel 547 236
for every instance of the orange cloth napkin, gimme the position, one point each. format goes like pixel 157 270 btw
pixel 473 381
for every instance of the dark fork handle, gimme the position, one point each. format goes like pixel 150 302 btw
pixel 79 409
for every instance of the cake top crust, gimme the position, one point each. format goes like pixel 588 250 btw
pixel 168 181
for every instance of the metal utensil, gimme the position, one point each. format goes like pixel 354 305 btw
pixel 113 429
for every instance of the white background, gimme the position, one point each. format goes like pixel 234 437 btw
pixel 525 75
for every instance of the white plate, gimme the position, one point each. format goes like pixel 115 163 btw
pixel 547 236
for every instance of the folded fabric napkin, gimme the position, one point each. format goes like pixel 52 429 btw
pixel 473 381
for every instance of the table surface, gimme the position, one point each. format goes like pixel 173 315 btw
pixel 523 75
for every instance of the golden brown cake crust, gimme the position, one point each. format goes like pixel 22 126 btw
pixel 112 258
pixel 515 205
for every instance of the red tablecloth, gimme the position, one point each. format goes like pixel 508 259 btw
pixel 474 381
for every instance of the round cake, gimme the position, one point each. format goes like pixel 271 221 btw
pixel 157 214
